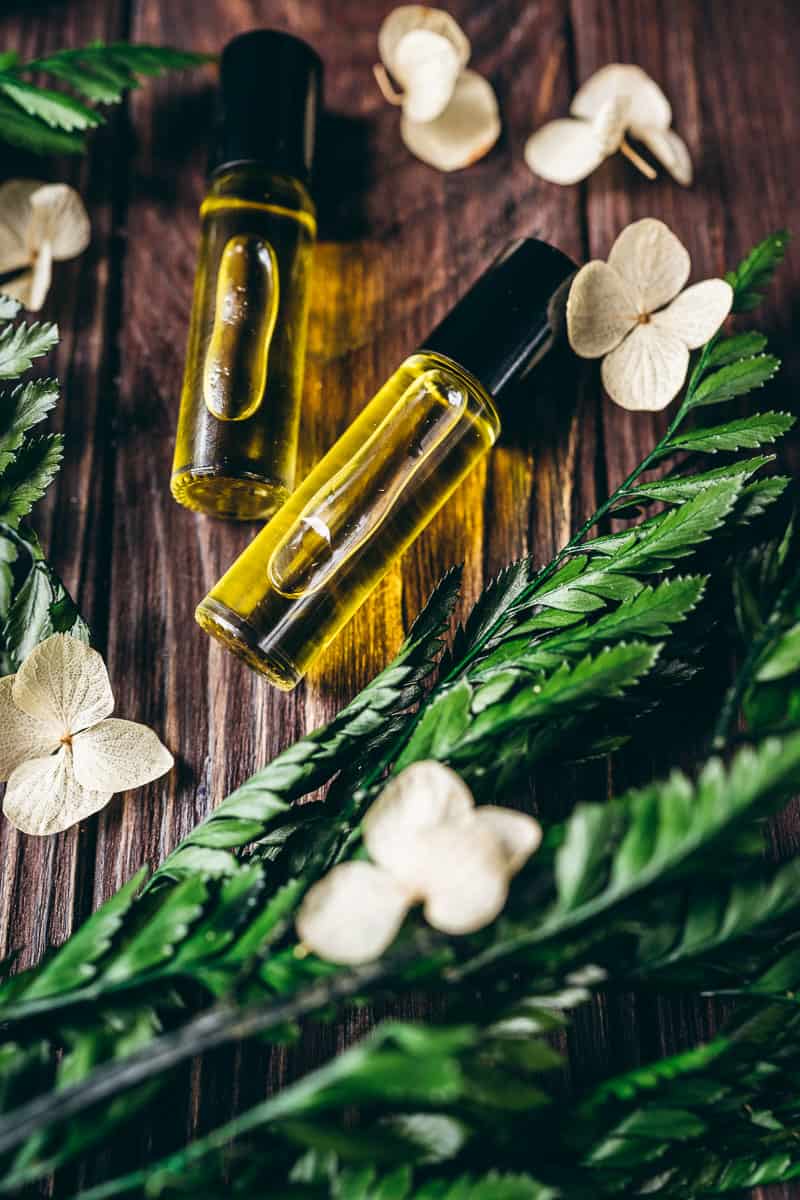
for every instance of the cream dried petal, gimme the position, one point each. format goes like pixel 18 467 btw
pixel 648 104
pixel 352 914
pixel 652 261
pixel 19 288
pixel 601 310
pixel 40 277
pixel 670 150
pixel 519 835
pixel 427 65
pixel 64 682
pixel 15 220
pixel 59 217
pixel 564 151
pixel 462 874
pixel 43 796
pixel 646 372
pixel 119 755
pixel 423 796
pixel 696 315
pixel 465 131
pixel 21 736
pixel 409 18
pixel 611 123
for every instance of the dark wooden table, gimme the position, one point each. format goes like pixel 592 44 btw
pixel 399 242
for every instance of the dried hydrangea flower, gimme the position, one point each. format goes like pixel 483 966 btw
pixel 615 101
pixel 632 313
pixel 428 844
pixel 40 223
pixel 63 758
pixel 450 115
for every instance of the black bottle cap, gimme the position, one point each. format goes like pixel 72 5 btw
pixel 270 91
pixel 510 317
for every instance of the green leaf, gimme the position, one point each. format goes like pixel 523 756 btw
pixel 19 129
pixel 746 433
pixel 730 349
pixel 41 607
pixel 442 726
pixel 29 476
pixel 56 109
pixel 678 488
pixel 574 687
pixel 156 940
pixel 755 272
pixel 493 604
pixel 782 658
pixel 74 963
pixel 21 344
pixel 677 532
pixel 650 612
pixel 736 379
pixel 48 121
pixel 20 410
pixel 669 822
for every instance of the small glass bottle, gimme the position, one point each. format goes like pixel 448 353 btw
pixel 239 414
pixel 302 578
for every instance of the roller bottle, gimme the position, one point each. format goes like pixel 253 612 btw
pixel 240 404
pixel 302 578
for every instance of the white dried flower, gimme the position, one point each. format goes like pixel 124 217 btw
pixel 63 758
pixel 40 223
pixel 616 100
pixel 429 844
pixel 450 115
pixel 629 312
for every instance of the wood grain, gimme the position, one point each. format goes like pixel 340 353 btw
pixel 399 243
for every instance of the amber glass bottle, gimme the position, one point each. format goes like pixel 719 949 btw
pixel 240 405
pixel 302 578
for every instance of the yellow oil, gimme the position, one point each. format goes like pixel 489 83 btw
pixel 239 413
pixel 302 578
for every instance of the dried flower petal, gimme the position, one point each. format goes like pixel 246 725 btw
pixel 601 310
pixel 696 315
pixel 428 66
pixel 424 795
pixel 648 104
pixel 65 683
pixel 461 871
pixel 43 796
pixel 117 755
pixel 15 217
pixel 618 98
pixel 465 131
pixel 352 914
pixel 21 736
pixel 38 280
pixel 647 370
pixel 425 50
pixel 670 150
pixel 564 151
pixel 519 835
pixel 38 223
pixel 59 217
pixel 652 261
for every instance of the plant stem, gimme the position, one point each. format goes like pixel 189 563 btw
pixel 224 1023
pixel 640 163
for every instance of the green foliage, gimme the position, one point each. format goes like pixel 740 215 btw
pixel 746 433
pixel 46 121
pixel 33 601
pixel 754 273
